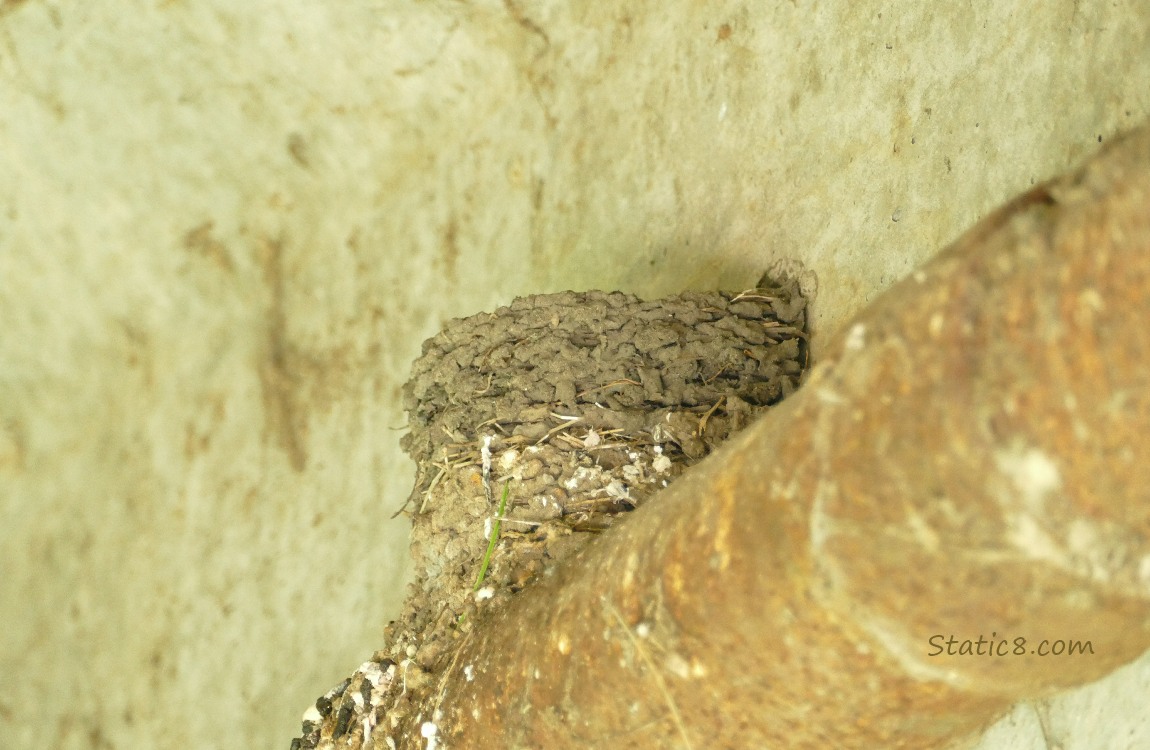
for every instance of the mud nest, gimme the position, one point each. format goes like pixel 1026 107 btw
pixel 540 425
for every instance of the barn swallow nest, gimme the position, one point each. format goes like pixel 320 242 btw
pixel 581 405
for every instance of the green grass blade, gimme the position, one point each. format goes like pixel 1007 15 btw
pixel 494 536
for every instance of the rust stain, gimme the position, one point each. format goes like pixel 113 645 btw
pixel 13 446
pixel 297 381
pixel 277 379
pixel 8 6
pixel 198 437
pixel 200 241
pixel 298 149
pixel 451 249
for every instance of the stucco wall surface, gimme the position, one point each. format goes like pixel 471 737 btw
pixel 226 227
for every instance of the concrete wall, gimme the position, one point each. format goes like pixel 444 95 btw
pixel 226 227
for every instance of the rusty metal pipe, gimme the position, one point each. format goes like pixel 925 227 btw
pixel 968 460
